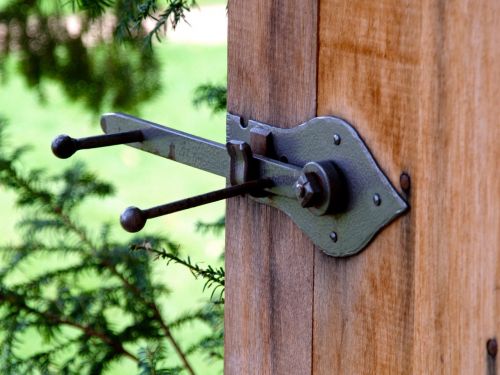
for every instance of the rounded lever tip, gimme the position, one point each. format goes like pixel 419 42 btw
pixel 133 219
pixel 64 146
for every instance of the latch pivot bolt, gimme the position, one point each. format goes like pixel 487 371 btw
pixel 307 189
pixel 321 188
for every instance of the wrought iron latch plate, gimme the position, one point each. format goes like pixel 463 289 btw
pixel 371 202
pixel 325 155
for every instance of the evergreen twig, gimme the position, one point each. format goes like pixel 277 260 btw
pixel 214 277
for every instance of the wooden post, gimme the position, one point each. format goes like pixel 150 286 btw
pixel 269 293
pixel 420 81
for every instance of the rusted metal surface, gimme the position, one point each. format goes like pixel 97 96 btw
pixel 261 141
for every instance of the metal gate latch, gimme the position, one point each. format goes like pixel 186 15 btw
pixel 320 174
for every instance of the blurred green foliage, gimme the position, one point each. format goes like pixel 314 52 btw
pixel 99 53
pixel 101 304
pixel 215 96
pixel 102 55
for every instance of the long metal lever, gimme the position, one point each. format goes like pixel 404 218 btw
pixel 200 153
pixel 64 146
pixel 133 219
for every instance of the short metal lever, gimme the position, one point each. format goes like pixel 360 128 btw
pixel 64 146
pixel 133 219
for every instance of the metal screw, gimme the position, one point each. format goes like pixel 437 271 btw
pixel 333 236
pixel 376 199
pixel 405 182
pixel 300 190
pixel 492 347
pixel 336 139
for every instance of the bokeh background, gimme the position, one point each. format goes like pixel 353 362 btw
pixel 192 55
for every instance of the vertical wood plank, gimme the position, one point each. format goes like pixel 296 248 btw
pixel 458 255
pixel 364 306
pixel 421 83
pixel 269 262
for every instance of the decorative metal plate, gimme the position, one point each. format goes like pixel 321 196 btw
pixel 372 203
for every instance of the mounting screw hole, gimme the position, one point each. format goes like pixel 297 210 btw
pixel 243 122
pixel 283 159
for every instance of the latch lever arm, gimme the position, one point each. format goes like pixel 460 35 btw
pixel 133 219
pixel 200 153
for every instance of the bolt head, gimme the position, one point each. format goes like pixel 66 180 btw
pixel 307 189
pixel 377 200
pixel 300 190
pixel 336 139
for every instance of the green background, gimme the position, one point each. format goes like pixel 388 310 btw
pixel 141 179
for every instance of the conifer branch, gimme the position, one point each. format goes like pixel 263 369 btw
pixel 157 315
pixel 18 301
pixel 54 298
pixel 25 186
pixel 214 277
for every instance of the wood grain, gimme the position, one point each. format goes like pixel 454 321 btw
pixel 269 262
pixel 421 82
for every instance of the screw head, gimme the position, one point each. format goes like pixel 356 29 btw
pixel 336 139
pixel 492 347
pixel 334 237
pixel 405 181
pixel 377 200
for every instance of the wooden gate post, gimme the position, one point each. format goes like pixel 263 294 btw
pixel 420 81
